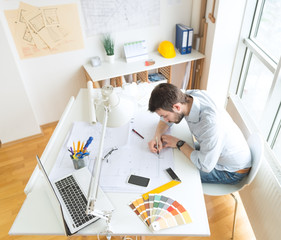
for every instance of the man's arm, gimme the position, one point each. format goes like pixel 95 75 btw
pixel 205 160
pixel 187 150
pixel 170 141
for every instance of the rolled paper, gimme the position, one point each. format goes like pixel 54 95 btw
pixel 91 106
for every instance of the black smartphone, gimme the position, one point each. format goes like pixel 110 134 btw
pixel 138 180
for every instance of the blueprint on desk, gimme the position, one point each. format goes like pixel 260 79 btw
pixel 132 157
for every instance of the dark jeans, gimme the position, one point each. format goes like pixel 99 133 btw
pixel 216 176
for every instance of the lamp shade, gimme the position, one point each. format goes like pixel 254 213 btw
pixel 120 109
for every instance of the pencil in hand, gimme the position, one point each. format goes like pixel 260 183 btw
pixel 157 145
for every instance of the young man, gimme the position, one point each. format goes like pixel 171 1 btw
pixel 222 154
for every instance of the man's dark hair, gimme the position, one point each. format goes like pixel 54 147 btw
pixel 164 96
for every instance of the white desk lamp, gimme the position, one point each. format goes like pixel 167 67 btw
pixel 113 111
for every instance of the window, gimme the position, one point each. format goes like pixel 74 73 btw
pixel 256 88
pixel 259 81
pixel 267 28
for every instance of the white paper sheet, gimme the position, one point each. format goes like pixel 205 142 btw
pixel 136 158
pixel 81 131
pixel 132 156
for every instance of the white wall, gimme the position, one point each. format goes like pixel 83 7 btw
pixel 17 118
pixel 50 81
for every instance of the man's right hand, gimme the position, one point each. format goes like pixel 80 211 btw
pixel 153 145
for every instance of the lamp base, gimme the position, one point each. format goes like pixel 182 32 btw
pixel 107 215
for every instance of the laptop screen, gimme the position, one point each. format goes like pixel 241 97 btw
pixel 53 198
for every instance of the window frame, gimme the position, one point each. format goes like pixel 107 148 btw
pixel 247 47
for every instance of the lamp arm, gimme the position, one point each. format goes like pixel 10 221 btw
pixel 93 187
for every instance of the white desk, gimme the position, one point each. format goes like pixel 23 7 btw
pixel 38 217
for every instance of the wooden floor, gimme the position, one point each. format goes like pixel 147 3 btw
pixel 17 161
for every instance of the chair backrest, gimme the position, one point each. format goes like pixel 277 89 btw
pixel 254 140
pixel 256 146
pixel 233 104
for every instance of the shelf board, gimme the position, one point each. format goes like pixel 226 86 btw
pixel 120 67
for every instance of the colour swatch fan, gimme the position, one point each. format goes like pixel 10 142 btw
pixel 160 212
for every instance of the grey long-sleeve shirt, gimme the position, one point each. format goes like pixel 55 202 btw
pixel 222 144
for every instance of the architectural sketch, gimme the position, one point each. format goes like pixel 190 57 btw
pixel 51 17
pixel 45 30
pixel 103 16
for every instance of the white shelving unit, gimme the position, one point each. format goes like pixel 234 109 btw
pixel 121 68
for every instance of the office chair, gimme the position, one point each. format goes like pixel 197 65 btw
pixel 256 146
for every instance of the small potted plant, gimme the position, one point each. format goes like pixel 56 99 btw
pixel 108 44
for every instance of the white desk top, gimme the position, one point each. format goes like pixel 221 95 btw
pixel 38 217
pixel 120 67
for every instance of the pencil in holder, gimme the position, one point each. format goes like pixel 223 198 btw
pixel 78 153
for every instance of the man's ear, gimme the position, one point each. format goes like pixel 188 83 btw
pixel 177 107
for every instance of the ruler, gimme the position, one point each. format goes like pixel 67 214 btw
pixel 165 186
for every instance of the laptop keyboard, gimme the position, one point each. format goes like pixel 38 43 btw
pixel 74 200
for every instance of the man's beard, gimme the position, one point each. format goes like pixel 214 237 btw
pixel 179 117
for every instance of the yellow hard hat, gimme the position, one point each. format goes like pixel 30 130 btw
pixel 166 49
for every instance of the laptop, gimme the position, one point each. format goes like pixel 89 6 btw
pixel 68 198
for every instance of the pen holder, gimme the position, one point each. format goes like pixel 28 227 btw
pixel 78 163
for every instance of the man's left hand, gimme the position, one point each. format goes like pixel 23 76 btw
pixel 169 141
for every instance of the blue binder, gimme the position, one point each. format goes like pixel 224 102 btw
pixel 189 39
pixel 181 39
pixel 184 36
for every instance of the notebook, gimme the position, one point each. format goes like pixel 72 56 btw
pixel 67 196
